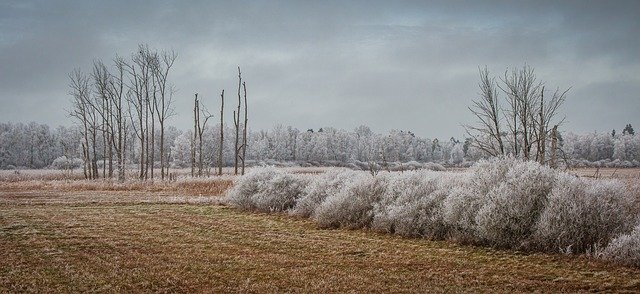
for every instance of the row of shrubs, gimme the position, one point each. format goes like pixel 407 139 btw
pixel 352 164
pixel 503 203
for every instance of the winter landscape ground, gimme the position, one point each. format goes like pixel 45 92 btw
pixel 61 235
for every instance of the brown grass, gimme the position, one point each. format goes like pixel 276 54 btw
pixel 116 241
pixel 195 186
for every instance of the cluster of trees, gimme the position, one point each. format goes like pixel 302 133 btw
pixel 35 145
pixel 330 144
pixel 523 123
pixel 288 144
pixel 603 149
pixel 123 109
pixel 132 96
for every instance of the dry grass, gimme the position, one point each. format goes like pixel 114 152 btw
pixel 114 241
pixel 626 174
pixel 84 236
pixel 190 186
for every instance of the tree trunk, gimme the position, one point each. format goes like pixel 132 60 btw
pixel 236 118
pixel 195 135
pixel 542 141
pixel 554 147
pixel 221 133
pixel 244 132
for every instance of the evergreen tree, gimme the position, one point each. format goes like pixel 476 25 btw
pixel 628 130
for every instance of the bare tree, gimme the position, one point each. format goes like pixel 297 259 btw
pixel 163 105
pixel 220 148
pixel 547 113
pixel 102 106
pixel 522 89
pixel 119 134
pixel 487 135
pixel 236 122
pixel 194 140
pixel 528 115
pixel 199 129
pixel 138 98
pixel 86 111
pixel 80 91
pixel 244 131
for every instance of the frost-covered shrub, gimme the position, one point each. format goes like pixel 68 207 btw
pixel 465 200
pixel 329 183
pixel 65 163
pixel 434 166
pixel 582 215
pixel 510 210
pixel 353 206
pixel 245 187
pixel 625 249
pixel 502 202
pixel 280 193
pixel 411 205
pixel 266 189
pixel 459 211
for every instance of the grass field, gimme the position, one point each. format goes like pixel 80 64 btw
pixel 69 240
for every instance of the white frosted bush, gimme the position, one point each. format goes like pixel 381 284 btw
pixel 411 205
pixel 245 187
pixel 461 206
pixel 329 183
pixel 582 215
pixel 502 202
pixel 625 249
pixel 510 210
pixel 280 193
pixel 434 166
pixel 459 211
pixel 353 206
pixel 65 163
pixel 266 189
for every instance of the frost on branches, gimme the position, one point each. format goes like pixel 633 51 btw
pixel 502 203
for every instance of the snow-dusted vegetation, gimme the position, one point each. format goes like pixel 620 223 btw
pixel 501 202
pixel 37 146
pixel 625 249
pixel 267 189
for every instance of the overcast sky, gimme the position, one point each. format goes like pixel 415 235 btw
pixel 386 64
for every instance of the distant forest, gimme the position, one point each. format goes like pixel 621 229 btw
pixel 37 146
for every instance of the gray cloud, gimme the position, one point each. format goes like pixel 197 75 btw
pixel 387 64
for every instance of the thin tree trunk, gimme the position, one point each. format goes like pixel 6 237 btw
pixel 86 161
pixel 195 135
pixel 95 157
pixel 244 132
pixel 153 145
pixel 554 147
pixel 236 118
pixel 221 133
pixel 542 141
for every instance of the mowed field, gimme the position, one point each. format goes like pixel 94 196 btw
pixel 58 236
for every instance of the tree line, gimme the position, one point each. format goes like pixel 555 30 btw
pixel 35 145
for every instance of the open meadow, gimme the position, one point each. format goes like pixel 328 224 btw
pixel 92 236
